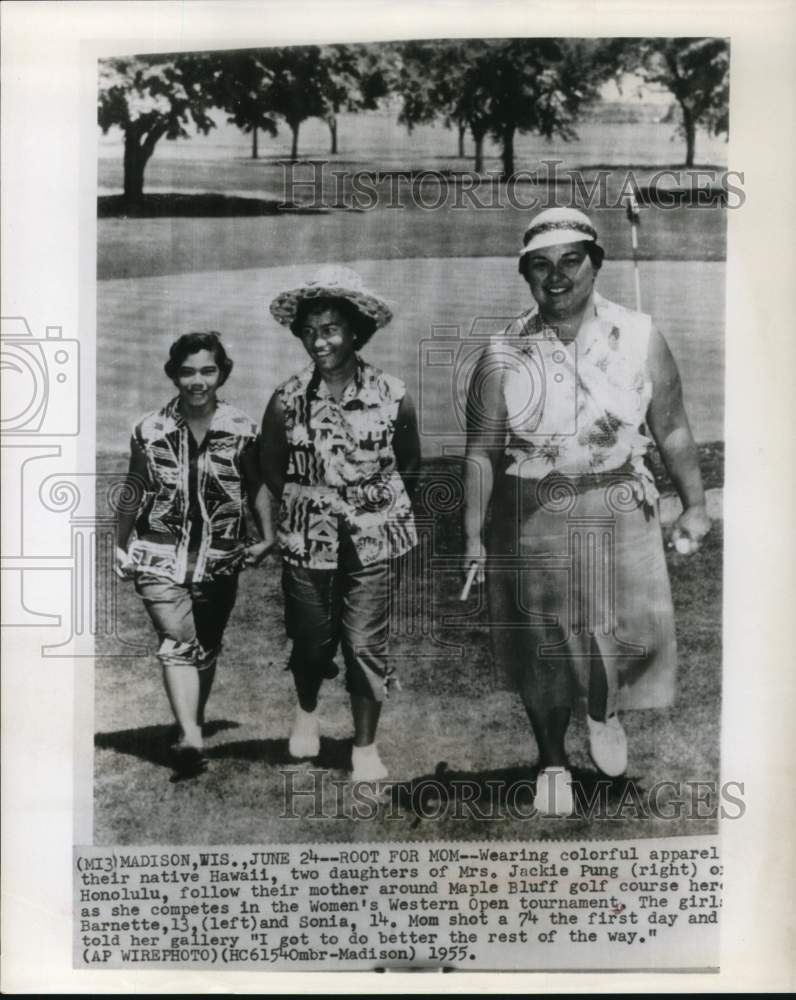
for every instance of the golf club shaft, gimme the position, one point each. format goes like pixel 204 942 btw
pixel 636 275
pixel 468 583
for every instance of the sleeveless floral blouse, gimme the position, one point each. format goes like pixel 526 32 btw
pixel 579 409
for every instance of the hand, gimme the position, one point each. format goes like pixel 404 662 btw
pixel 122 566
pixel 689 530
pixel 253 555
pixel 474 552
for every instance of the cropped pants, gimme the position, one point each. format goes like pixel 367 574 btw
pixel 189 618
pixel 348 606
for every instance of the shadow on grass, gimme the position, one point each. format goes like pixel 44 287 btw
pixel 494 794
pixel 154 743
pixel 335 754
pixel 199 205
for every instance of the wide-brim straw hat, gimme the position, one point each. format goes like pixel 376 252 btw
pixel 335 282
pixel 555 226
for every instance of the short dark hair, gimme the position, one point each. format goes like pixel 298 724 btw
pixel 362 326
pixel 594 250
pixel 192 343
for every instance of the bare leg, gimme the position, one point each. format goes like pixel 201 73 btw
pixel 545 693
pixel 308 685
pixel 598 690
pixel 607 739
pixel 212 604
pixel 550 730
pixel 366 714
pixel 206 678
pixel 173 707
pixel 311 615
pixel 182 688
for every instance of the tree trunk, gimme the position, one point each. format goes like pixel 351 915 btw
pixel 478 137
pixel 255 150
pixel 462 131
pixel 294 128
pixel 135 160
pixel 332 122
pixel 138 147
pixel 508 151
pixel 689 127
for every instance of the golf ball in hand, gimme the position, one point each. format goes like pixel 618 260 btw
pixel 683 545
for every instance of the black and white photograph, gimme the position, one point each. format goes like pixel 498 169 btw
pixel 414 354
pixel 397 511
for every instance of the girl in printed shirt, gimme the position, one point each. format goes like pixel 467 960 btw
pixel 339 449
pixel 194 466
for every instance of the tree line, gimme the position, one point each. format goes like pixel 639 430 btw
pixel 485 87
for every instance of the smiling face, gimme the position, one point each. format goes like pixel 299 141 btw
pixel 561 279
pixel 328 339
pixel 197 380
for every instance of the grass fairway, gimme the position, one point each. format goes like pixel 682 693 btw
pixel 448 721
pixel 139 318
pixel 400 216
pixel 130 248
pixel 365 138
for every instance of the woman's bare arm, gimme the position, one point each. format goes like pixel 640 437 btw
pixel 260 505
pixel 406 444
pixel 134 486
pixel 274 447
pixel 668 423
pixel 486 437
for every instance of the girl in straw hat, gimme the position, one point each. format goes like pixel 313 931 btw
pixel 564 408
pixel 339 447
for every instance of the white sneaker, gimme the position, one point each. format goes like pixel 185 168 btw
pixel 366 765
pixel 305 736
pixel 608 745
pixel 554 792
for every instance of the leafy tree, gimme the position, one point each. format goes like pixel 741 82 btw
pixel 262 86
pixel 430 78
pixel 499 87
pixel 244 92
pixel 696 71
pixel 300 82
pixel 351 78
pixel 296 90
pixel 537 85
pixel 466 95
pixel 150 97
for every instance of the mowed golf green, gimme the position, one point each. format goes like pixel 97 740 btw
pixel 437 303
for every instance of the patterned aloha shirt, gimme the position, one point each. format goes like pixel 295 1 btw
pixel 342 470
pixel 192 516
pixel 579 408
